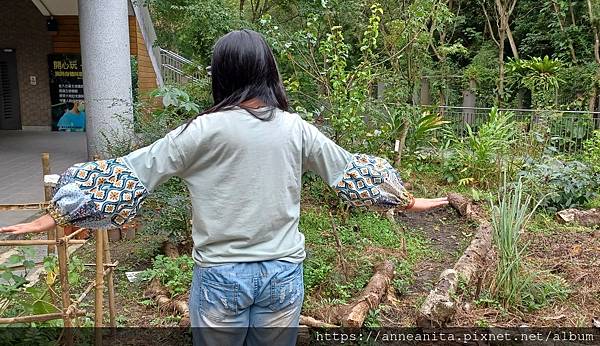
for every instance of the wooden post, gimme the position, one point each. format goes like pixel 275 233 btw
pixel 63 258
pixel 99 287
pixel 47 195
pixel 111 285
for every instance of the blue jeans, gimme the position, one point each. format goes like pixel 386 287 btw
pixel 256 303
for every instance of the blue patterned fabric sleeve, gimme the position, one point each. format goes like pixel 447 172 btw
pixel 370 181
pixel 97 195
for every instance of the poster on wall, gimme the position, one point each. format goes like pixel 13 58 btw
pixel 66 92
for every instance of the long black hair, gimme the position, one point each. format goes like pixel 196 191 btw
pixel 243 67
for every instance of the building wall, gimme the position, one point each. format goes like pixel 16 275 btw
pixel 67 41
pixel 23 28
pixel 146 74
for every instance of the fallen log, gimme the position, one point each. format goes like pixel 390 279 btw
pixel 314 323
pixel 170 249
pixel 160 295
pixel 586 218
pixel 355 314
pixel 441 303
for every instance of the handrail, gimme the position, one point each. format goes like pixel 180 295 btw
pixel 173 67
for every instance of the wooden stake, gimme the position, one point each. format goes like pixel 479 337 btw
pixel 99 287
pixel 111 285
pixel 63 258
pixel 47 195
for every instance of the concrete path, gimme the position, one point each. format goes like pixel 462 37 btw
pixel 21 178
pixel 21 167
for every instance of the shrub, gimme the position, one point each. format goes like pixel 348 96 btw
pixel 591 149
pixel 481 156
pixel 561 184
pixel 174 273
pixel 514 284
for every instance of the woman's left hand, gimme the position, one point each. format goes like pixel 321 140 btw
pixel 423 204
pixel 40 224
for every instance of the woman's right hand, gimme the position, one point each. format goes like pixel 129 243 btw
pixel 40 224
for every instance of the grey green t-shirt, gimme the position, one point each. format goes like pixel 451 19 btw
pixel 244 178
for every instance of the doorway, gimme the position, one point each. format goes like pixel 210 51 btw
pixel 10 113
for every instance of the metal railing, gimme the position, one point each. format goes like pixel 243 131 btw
pixel 565 130
pixel 177 69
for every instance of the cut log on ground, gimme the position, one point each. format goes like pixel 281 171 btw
pixel 159 293
pixel 586 218
pixel 354 315
pixel 314 323
pixel 440 305
pixel 170 249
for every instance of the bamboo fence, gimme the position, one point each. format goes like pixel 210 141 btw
pixel 58 242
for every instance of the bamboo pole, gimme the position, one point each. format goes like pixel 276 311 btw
pixel 63 257
pixel 47 196
pixel 37 318
pixel 99 287
pixel 23 206
pixel 111 284
pixel 74 234
pixel 26 242
pixel 106 265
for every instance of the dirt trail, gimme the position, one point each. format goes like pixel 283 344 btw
pixel 449 235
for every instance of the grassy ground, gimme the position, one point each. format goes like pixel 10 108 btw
pixel 565 260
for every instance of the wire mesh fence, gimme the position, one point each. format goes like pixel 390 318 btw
pixel 566 131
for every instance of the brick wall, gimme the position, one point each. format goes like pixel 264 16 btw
pixel 23 28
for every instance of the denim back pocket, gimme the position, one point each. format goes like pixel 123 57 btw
pixel 218 300
pixel 287 289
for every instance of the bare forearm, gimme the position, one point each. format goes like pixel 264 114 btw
pixel 424 204
pixel 41 224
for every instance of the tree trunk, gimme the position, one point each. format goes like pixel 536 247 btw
pixel 501 67
pixel 595 30
pixel 511 40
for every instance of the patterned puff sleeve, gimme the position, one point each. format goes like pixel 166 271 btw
pixel 97 195
pixel 359 179
pixel 371 181
pixel 109 193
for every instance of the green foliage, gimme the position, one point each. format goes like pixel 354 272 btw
pixel 540 76
pixel 514 285
pixel 174 273
pixel 560 184
pixel 18 298
pixel 168 209
pixel 372 320
pixel 191 27
pixel 591 151
pixel 483 69
pixel 509 217
pixel 481 156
